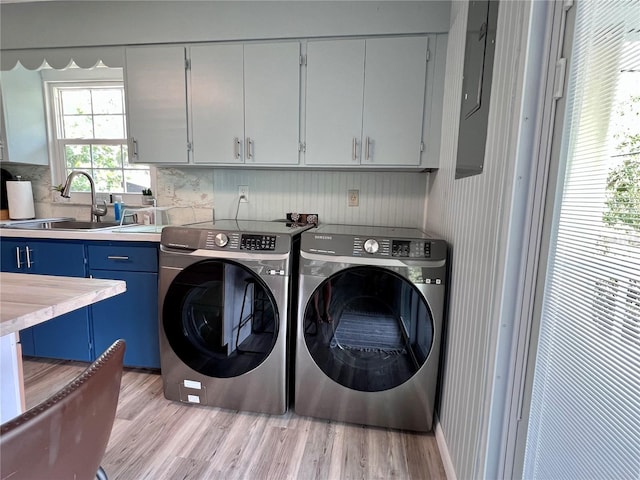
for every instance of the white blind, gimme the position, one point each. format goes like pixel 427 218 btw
pixel 585 411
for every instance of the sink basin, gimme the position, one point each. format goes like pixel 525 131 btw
pixel 64 225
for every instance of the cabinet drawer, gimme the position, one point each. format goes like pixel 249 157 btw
pixel 113 257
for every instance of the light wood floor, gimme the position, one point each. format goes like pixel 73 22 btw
pixel 154 438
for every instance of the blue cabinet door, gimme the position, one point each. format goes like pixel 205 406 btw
pixel 12 260
pixel 9 251
pixel 67 336
pixel 132 315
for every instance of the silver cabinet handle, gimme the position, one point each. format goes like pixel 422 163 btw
pixel 28 254
pixel 18 262
pixel 236 148
pixel 134 144
pixel 366 148
pixel 117 257
pixel 354 149
pixel 248 145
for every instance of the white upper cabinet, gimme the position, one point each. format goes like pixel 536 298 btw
pixel 155 83
pixel 365 102
pixel 368 103
pixel 394 89
pixel 23 130
pixel 245 103
pixel 335 85
pixel 217 105
pixel 272 102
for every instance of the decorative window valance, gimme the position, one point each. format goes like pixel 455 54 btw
pixel 61 58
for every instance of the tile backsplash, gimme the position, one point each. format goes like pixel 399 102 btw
pixel 385 198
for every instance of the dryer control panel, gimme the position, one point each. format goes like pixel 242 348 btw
pixel 392 248
pixel 411 249
pixel 373 242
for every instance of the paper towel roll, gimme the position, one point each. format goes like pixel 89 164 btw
pixel 20 200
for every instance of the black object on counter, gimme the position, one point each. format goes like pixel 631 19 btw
pixel 4 176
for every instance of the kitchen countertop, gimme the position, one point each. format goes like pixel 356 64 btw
pixel 132 233
pixel 26 300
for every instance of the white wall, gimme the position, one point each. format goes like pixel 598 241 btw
pixel 98 23
pixel 474 215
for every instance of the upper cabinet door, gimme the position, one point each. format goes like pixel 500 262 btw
pixel 394 92
pixel 217 103
pixel 272 103
pixel 155 83
pixel 23 129
pixel 335 79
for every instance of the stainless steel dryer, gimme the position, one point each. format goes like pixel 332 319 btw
pixel 370 313
pixel 225 296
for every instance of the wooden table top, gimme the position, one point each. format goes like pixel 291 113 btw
pixel 27 300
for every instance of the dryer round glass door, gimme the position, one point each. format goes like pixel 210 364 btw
pixel 368 328
pixel 220 318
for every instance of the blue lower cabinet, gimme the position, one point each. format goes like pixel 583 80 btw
pixel 132 315
pixel 65 337
pixel 85 333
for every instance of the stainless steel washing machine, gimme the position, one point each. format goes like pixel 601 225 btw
pixel 370 315
pixel 225 299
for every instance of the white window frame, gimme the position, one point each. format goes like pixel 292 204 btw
pixel 76 76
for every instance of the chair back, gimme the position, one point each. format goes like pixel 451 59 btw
pixel 66 436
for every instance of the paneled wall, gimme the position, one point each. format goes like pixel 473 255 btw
pixel 386 198
pixel 473 214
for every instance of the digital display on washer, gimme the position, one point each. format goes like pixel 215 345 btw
pixel 407 248
pixel 400 248
pixel 257 242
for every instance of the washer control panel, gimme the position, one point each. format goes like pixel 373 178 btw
pixel 257 242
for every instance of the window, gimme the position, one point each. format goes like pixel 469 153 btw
pixel 90 134
pixel 585 399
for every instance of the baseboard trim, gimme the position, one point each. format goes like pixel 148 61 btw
pixel 444 451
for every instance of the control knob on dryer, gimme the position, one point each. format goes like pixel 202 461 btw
pixel 221 239
pixel 371 246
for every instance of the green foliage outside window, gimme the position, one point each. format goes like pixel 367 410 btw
pixel 623 181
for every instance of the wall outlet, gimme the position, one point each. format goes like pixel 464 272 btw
pixel 243 193
pixel 354 198
pixel 169 189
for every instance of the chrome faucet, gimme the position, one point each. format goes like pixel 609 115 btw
pixel 97 211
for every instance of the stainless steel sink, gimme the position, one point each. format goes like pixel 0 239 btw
pixel 63 225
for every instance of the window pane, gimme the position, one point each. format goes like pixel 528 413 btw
pixel 76 101
pixel 109 126
pixel 136 180
pixel 77 126
pixel 77 157
pixel 107 156
pixel 107 100
pixel 108 180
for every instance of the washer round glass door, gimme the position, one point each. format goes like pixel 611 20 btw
pixel 368 328
pixel 220 318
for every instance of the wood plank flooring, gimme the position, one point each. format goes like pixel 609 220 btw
pixel 154 438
